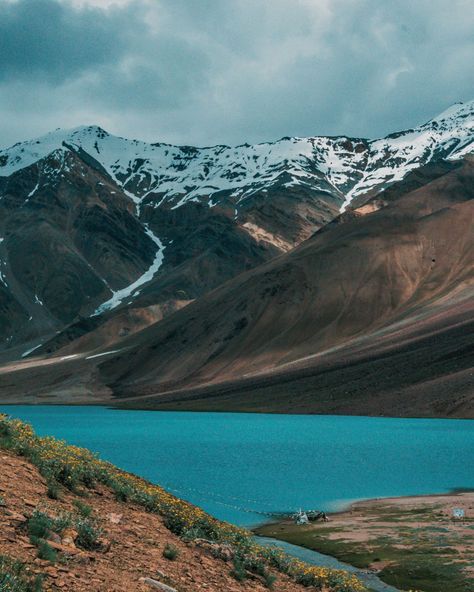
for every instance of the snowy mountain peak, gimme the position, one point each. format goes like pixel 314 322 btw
pixel 455 112
pixel 172 175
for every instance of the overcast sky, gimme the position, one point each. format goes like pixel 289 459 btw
pixel 229 71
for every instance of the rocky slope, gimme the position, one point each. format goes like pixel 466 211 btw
pixel 131 549
pixel 101 236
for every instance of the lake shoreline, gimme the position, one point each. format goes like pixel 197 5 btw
pixel 378 456
pixel 370 579
pixel 130 535
pixel 383 535
pixel 121 406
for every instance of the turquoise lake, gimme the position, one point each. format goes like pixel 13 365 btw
pixel 241 467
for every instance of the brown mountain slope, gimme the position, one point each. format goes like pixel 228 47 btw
pixel 420 367
pixel 344 283
pixel 205 247
pixel 70 237
pixel 373 314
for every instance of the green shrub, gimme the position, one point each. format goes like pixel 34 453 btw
pixel 204 528
pixel 191 534
pixel 62 522
pixel 88 534
pixel 239 572
pixel 40 525
pixel 150 502
pixel 170 552
pixel 6 436
pixel 53 490
pixel 123 492
pixel 278 559
pixel 254 564
pixel 177 524
pixel 84 509
pixel 269 579
pixel 61 472
pixel 13 577
pixel 45 551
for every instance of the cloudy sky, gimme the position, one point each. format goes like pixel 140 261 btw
pixel 229 71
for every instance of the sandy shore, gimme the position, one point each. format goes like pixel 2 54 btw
pixel 412 542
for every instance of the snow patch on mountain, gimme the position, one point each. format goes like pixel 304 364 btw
pixel 449 135
pixel 33 191
pixel 30 351
pixel 132 290
pixel 3 278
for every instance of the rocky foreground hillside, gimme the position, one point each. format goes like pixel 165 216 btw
pixel 70 522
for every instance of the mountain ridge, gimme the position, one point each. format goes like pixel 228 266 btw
pixel 450 134
pixel 371 315
pixel 103 250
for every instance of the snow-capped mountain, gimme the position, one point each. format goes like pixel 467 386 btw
pixel 348 167
pixel 93 225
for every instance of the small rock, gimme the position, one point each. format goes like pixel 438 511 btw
pixel 219 551
pixel 157 585
pixel 41 562
pixel 71 533
pixel 25 545
pixel 63 548
pixel 16 517
pixel 51 571
pixel 115 518
pixel 105 544
pixel 69 537
pixel 54 536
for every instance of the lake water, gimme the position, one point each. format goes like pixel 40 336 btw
pixel 241 467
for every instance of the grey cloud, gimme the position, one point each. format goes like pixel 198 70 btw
pixel 54 41
pixel 228 72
